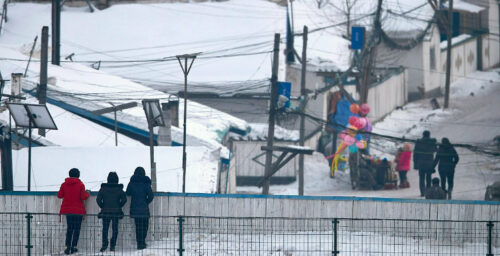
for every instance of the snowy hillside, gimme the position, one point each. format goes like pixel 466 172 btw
pixel 91 89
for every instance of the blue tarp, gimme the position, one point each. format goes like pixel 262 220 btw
pixel 340 119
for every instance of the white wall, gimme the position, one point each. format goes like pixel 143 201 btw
pixel 463 60
pixel 244 151
pixel 432 77
pixel 493 38
pixel 413 60
pixel 386 96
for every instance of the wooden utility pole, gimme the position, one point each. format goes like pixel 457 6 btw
pixel 448 54
pixel 56 31
pixel 302 109
pixel 42 87
pixel 272 113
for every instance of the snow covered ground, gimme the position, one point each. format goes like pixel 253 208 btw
pixel 50 166
pixel 304 244
pixel 471 119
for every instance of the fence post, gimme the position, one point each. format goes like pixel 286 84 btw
pixel 490 228
pixel 28 233
pixel 181 248
pixel 335 251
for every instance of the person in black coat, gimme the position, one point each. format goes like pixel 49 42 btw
pixel 139 190
pixel 447 158
pixel 110 199
pixel 423 158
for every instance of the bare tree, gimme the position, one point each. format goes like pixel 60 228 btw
pixel 344 8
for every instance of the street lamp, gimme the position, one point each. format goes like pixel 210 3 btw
pixel 155 118
pixel 185 69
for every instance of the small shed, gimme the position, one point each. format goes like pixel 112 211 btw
pixel 247 158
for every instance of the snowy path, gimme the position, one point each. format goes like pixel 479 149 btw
pixel 471 119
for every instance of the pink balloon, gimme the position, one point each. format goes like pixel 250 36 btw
pixel 362 122
pixel 360 144
pixel 364 109
pixel 342 135
pixel 349 140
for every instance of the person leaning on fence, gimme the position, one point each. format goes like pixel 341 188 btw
pixel 435 192
pixel 423 158
pixel 141 195
pixel 447 158
pixel 73 194
pixel 110 199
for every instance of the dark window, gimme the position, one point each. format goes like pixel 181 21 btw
pixel 433 58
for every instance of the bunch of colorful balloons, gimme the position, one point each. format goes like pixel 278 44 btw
pixel 351 137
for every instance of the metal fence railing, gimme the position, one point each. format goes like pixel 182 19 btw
pixel 44 234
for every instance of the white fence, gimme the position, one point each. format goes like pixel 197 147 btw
pixel 386 95
pixel 174 204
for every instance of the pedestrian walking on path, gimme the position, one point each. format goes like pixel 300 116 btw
pixel 141 195
pixel 73 194
pixel 423 159
pixel 111 198
pixel 447 158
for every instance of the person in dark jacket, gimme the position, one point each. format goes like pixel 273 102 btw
pixel 435 192
pixel 423 158
pixel 447 158
pixel 73 194
pixel 141 195
pixel 111 199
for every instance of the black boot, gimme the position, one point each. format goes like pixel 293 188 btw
pixel 104 245
pixel 73 250
pixel 67 251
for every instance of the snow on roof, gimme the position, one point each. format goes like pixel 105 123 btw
pixel 258 131
pixel 455 40
pixel 50 166
pixel 464 6
pixel 217 29
pixel 91 89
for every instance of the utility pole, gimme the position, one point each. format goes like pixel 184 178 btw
pixel 185 69
pixel 42 87
pixel 448 54
pixel 31 55
pixel 302 109
pixel 56 31
pixel 272 113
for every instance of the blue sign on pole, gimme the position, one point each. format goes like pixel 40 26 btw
pixel 357 38
pixel 284 89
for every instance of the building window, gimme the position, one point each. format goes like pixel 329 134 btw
pixel 433 58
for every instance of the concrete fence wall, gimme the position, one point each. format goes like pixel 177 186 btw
pixel 48 233
pixel 235 205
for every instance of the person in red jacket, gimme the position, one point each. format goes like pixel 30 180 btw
pixel 404 159
pixel 73 194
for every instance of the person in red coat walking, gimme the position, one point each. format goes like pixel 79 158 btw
pixel 404 159
pixel 73 194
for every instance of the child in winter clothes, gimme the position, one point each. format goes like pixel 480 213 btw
pixel 403 159
pixel 73 193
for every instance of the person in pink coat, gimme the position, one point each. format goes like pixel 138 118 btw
pixel 403 159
